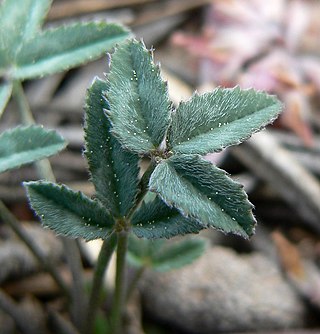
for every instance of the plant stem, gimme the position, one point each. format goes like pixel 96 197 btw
pixel 43 166
pixel 45 171
pixel 11 220
pixel 144 182
pixel 119 293
pixel 106 251
pixel 23 104
pixel 134 282
pixel 78 302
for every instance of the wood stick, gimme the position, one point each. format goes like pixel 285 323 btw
pixel 73 8
pixel 276 165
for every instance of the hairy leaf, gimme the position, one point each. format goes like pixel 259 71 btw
pixel 139 103
pixel 162 255
pixel 19 21
pixel 69 213
pixel 23 145
pixel 202 191
pixel 114 171
pixel 5 93
pixel 155 219
pixel 64 47
pixel 212 121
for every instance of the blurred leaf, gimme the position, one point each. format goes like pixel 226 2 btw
pixel 114 171
pixel 139 103
pixel 23 145
pixel 64 47
pixel 212 121
pixel 163 255
pixel 27 52
pixel 155 219
pixel 204 192
pixel 20 19
pixel 69 213
pixel 5 93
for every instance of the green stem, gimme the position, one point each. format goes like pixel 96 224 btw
pixel 134 282
pixel 43 166
pixel 119 293
pixel 45 171
pixel 106 251
pixel 11 220
pixel 23 104
pixel 144 183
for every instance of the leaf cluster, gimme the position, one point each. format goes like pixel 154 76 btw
pixel 162 256
pixel 128 117
pixel 27 51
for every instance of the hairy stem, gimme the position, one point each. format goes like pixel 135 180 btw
pixel 106 251
pixel 119 293
pixel 43 166
pixel 15 225
pixel 45 171
pixel 144 182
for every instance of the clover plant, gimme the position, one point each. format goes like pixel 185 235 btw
pixel 27 51
pixel 129 116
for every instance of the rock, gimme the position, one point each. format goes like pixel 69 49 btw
pixel 223 292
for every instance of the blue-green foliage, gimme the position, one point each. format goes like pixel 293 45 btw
pixel 69 213
pixel 155 219
pixel 161 255
pixel 25 144
pixel 139 102
pixel 114 171
pixel 129 116
pixel 27 51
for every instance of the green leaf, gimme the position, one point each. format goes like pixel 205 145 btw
pixel 162 255
pixel 155 219
pixel 114 171
pixel 23 145
pixel 5 94
pixel 58 49
pixel 212 121
pixel 69 213
pixel 19 21
pixel 202 191
pixel 139 103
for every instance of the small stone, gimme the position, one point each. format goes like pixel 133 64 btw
pixel 223 292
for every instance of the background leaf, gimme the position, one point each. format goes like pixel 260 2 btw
pixel 69 213
pixel 202 191
pixel 5 94
pixel 19 21
pixel 23 145
pixel 212 121
pixel 155 219
pixel 58 49
pixel 163 255
pixel 114 171
pixel 139 103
